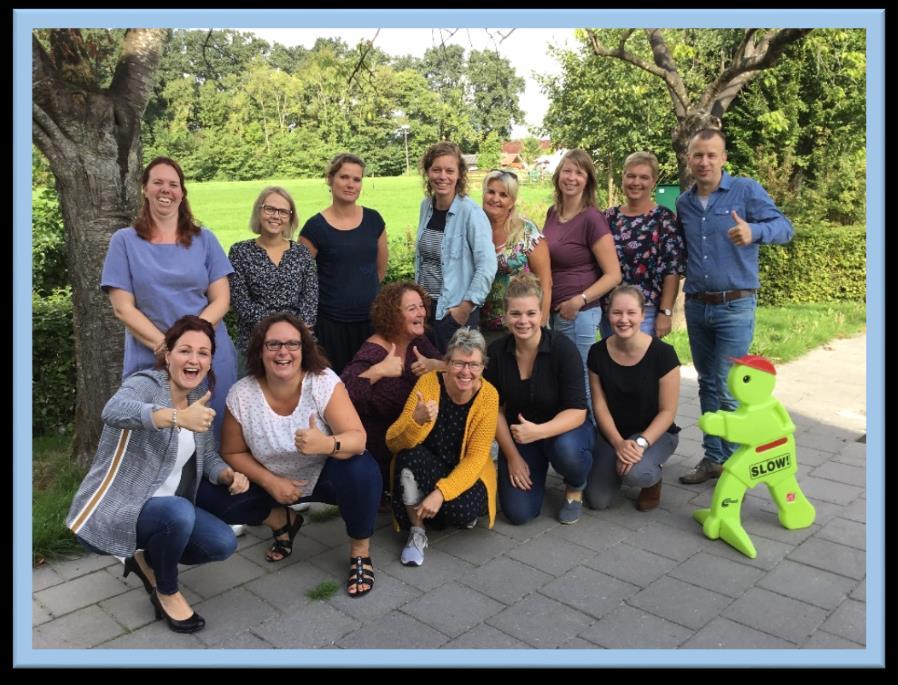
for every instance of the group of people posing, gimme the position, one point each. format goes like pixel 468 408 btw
pixel 342 391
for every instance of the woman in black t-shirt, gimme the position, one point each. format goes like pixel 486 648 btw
pixel 635 383
pixel 349 245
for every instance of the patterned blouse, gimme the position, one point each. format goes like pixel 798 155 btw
pixel 259 288
pixel 510 262
pixel 649 247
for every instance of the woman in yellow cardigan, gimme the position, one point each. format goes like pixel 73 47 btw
pixel 441 467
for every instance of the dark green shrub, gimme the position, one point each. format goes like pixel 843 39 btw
pixel 821 264
pixel 52 363
pixel 48 259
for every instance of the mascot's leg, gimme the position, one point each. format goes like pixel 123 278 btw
pixel 722 520
pixel 795 511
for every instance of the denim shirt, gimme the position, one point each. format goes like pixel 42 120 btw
pixel 713 263
pixel 467 254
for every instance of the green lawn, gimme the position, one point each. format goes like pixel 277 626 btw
pixel 225 206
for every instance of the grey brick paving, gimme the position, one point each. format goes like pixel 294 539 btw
pixel 680 602
pixel 776 615
pixel 618 579
pixel 715 573
pixel 830 556
pixel 848 621
pixel 721 633
pixel 540 621
pixel 631 628
pixel 808 584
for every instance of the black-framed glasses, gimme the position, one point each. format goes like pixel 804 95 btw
pixel 271 211
pixel 459 365
pixel 505 173
pixel 276 345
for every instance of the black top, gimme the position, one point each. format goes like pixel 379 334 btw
pixel 447 434
pixel 555 384
pixel 347 265
pixel 632 391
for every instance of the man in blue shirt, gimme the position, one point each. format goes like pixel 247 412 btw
pixel 724 219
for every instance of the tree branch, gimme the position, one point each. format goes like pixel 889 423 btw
pixel 369 45
pixel 137 65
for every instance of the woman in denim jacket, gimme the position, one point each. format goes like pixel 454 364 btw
pixel 455 260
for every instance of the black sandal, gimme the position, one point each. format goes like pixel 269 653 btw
pixel 359 575
pixel 285 547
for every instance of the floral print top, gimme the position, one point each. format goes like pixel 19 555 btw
pixel 649 247
pixel 510 262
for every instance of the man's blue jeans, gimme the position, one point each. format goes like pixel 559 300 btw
pixel 718 332
pixel 570 454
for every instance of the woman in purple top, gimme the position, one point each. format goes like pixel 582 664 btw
pixel 584 261
pixel 164 267
pixel 650 245
pixel 384 370
pixel 349 244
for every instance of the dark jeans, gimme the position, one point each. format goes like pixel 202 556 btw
pixel 570 454
pixel 440 332
pixel 352 484
pixel 172 531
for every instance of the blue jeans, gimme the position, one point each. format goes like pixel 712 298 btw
pixel 647 325
pixel 570 455
pixel 582 332
pixel 716 333
pixel 355 485
pixel 171 530
pixel 603 479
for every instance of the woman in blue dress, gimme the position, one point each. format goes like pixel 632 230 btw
pixel 164 267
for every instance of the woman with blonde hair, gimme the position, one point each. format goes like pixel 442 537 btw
pixel 584 261
pixel 519 248
pixel 272 273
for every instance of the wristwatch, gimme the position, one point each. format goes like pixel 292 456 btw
pixel 641 441
pixel 336 444
pixel 667 312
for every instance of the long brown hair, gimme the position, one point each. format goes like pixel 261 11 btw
pixel 184 325
pixel 582 160
pixel 187 225
pixel 313 358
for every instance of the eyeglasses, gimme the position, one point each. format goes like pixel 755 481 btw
pixel 276 345
pixel 505 173
pixel 271 211
pixel 459 365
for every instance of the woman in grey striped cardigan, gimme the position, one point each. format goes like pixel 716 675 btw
pixel 137 500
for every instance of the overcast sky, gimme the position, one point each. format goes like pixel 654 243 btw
pixel 526 49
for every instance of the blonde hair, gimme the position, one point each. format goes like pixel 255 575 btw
pixel 514 224
pixel 643 157
pixel 255 219
pixel 524 284
pixel 582 160
pixel 627 289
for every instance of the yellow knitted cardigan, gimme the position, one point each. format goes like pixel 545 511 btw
pixel 480 431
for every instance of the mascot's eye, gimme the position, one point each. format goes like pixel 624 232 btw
pixel 746 379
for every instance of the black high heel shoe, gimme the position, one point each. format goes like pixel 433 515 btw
pixel 189 625
pixel 131 566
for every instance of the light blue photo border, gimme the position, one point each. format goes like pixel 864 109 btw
pixel 24 21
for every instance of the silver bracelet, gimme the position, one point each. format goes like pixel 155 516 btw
pixel 174 419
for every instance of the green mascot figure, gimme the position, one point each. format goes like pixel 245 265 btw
pixel 766 454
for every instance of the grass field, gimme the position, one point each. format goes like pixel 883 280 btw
pixel 225 206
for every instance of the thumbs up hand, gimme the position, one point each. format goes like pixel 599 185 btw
pixel 421 365
pixel 740 234
pixel 197 417
pixel 391 365
pixel 525 431
pixel 311 440
pixel 425 412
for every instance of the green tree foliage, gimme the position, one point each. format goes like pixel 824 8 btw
pixel 798 127
pixel 490 152
pixel 494 91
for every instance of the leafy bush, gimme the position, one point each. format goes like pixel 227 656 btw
pixel 49 269
pixel 53 363
pixel 821 264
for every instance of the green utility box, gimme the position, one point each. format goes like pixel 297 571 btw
pixel 666 196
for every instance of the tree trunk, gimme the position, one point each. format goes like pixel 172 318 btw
pixel 91 138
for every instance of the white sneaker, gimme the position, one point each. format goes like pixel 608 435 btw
pixel 413 552
pixel 239 529
pixel 302 506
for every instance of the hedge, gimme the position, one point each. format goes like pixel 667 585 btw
pixel 52 363
pixel 821 264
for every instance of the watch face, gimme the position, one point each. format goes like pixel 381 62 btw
pixel 666 312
